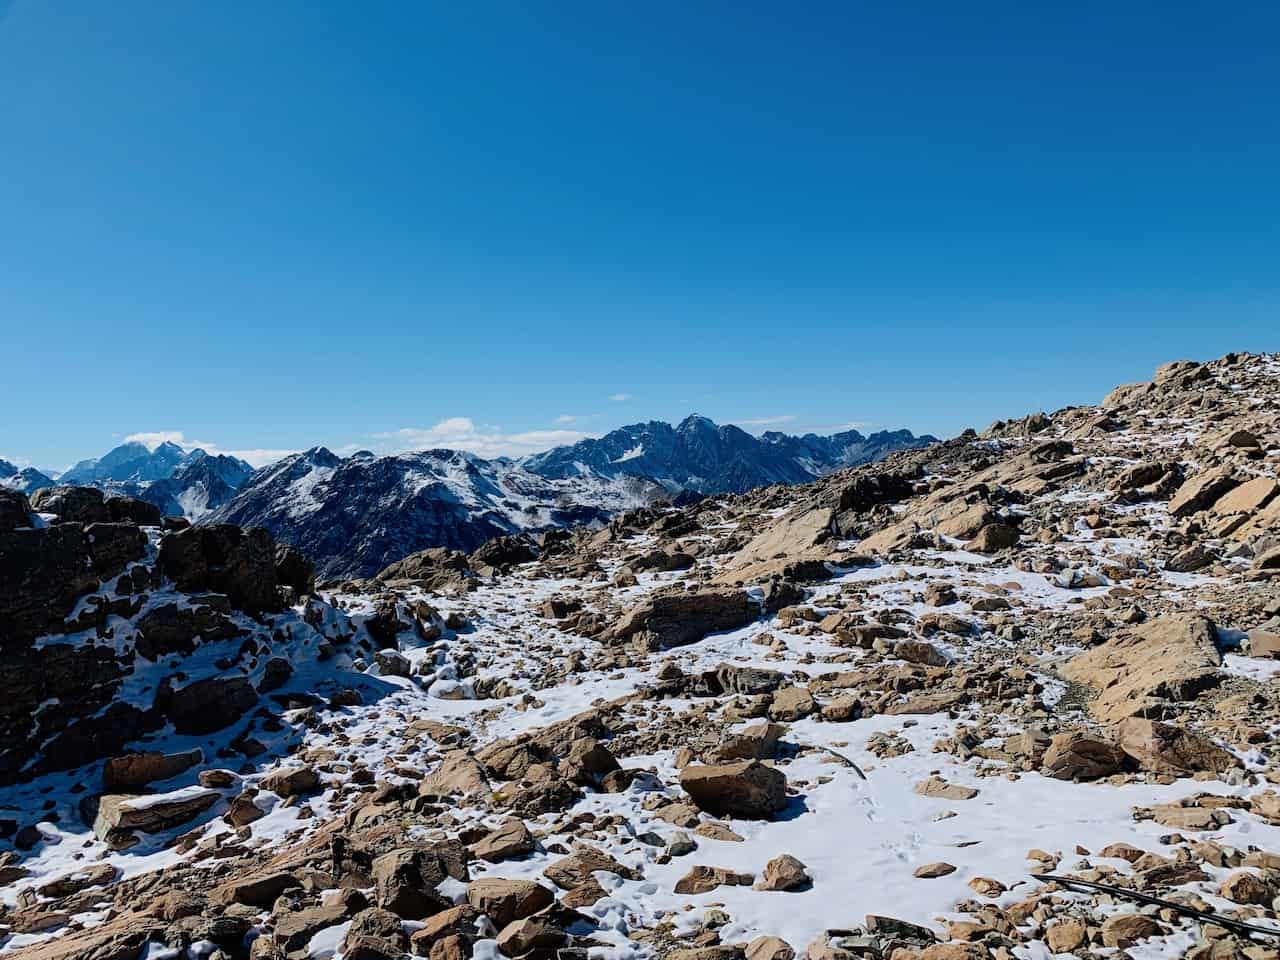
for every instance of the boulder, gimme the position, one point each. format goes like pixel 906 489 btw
pixel 784 872
pixel 1126 929
pixel 576 869
pixel 257 890
pixel 769 948
pixel 15 510
pixel 1080 755
pixel 406 878
pixel 792 535
pixel 992 538
pixel 1201 491
pixel 72 504
pixel 791 703
pixel 208 705
pixel 1250 496
pixel 746 789
pixel 704 879
pixel 530 937
pixel 227 559
pixel 291 781
pixel 459 774
pixel 939 789
pixel 133 771
pixel 1163 748
pixel 151 813
pixel 294 570
pixel 504 842
pixel 677 619
pixel 505 901
pixel 133 510
pixel 1137 673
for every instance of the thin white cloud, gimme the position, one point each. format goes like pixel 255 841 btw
pixel 156 437
pixel 567 418
pixel 764 421
pixel 462 433
pixel 620 397
pixel 257 457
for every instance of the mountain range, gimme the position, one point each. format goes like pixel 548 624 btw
pixel 354 515
pixel 24 479
pixel 182 483
pixel 700 455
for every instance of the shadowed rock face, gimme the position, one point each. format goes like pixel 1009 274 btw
pixel 224 559
pixel 59 678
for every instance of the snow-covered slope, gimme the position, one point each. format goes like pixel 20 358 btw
pixel 701 455
pixel 354 516
pixel 26 480
pixel 131 463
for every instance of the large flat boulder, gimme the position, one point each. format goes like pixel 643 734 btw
pixel 792 535
pixel 1142 671
pixel 133 771
pixel 748 789
pixel 153 813
pixel 677 619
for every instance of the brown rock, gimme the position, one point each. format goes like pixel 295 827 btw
pixel 1169 659
pixel 769 948
pixel 1167 749
pixel 748 789
pixel 931 871
pixel 1066 936
pixel 507 900
pixel 940 789
pixel 509 840
pixel 784 872
pixel 132 771
pixel 151 814
pixel 703 879
pixel 1080 755
pixel 291 782
pixel 1244 887
pixel 1126 929
pixel 531 933
pixel 577 868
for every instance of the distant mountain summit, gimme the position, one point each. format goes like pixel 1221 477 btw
pixel 353 516
pixel 26 479
pixel 701 455
pixel 182 483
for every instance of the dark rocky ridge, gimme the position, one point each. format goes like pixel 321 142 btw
pixel 698 454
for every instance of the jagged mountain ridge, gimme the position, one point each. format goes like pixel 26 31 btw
pixel 353 516
pixel 25 479
pixel 182 483
pixel 701 455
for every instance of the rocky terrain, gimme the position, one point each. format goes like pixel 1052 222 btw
pixel 1011 695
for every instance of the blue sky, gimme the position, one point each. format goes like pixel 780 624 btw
pixel 265 226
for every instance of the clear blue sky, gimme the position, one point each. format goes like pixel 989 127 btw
pixel 272 225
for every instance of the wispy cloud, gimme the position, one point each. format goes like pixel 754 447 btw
pixel 567 418
pixel 462 433
pixel 764 421
pixel 256 456
pixel 620 397
pixel 154 438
